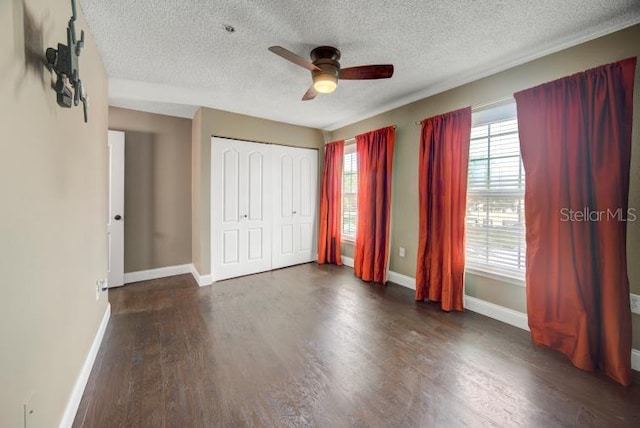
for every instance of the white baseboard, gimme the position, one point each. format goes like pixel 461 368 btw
pixel 397 278
pixel 519 319
pixel 497 312
pixel 347 261
pixel 163 272
pixel 635 359
pixel 400 279
pixel 81 381
pixel 202 280
pixel 482 307
pixel 488 309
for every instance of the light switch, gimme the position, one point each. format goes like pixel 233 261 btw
pixel 402 252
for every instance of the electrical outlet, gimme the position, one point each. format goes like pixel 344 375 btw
pixel 402 252
pixel 635 304
pixel 101 285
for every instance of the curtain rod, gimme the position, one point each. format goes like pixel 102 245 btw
pixel 349 140
pixel 504 100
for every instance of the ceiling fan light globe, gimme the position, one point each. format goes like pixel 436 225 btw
pixel 325 83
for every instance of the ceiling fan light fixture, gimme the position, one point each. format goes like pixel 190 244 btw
pixel 325 83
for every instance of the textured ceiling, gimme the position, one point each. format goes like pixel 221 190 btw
pixel 170 56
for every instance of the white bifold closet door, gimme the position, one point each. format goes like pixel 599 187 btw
pixel 240 208
pixel 294 214
pixel 263 207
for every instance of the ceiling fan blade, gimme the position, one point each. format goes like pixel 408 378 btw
pixel 310 94
pixel 294 58
pixel 383 71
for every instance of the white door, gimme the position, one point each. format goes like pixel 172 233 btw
pixel 115 227
pixel 295 196
pixel 240 208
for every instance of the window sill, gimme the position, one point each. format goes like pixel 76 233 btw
pixel 496 276
pixel 348 240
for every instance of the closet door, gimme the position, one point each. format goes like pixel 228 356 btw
pixel 294 214
pixel 241 210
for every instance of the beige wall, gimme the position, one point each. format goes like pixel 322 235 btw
pixel 53 215
pixel 157 208
pixel 404 229
pixel 209 122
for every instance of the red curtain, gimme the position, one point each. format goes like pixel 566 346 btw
pixel 331 205
pixel 443 165
pixel 375 162
pixel 575 139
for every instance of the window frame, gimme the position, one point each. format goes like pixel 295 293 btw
pixel 349 149
pixel 500 113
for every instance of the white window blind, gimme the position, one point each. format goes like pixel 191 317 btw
pixel 495 240
pixel 350 193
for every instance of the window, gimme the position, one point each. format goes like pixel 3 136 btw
pixel 495 240
pixel 350 193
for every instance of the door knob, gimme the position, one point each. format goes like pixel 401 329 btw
pixel 245 216
pixel 295 212
pixel 118 217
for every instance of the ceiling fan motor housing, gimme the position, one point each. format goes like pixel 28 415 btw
pixel 326 52
pixel 326 59
pixel 326 66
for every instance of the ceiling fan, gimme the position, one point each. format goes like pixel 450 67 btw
pixel 325 69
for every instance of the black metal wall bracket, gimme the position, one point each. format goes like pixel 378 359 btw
pixel 64 63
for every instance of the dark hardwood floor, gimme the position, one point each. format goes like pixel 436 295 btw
pixel 313 346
